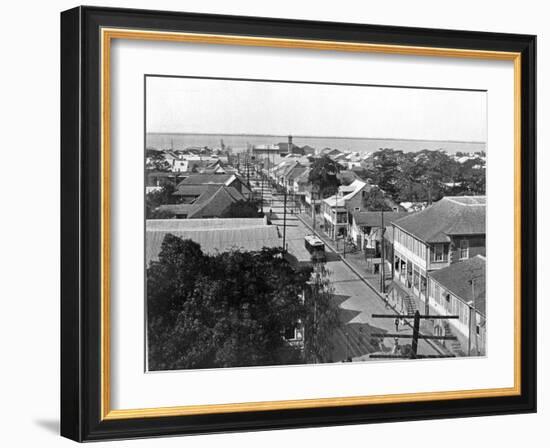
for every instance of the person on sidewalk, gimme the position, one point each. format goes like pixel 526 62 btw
pixel 396 350
pixel 396 322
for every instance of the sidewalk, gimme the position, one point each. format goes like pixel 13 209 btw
pixel 355 260
pixel 357 263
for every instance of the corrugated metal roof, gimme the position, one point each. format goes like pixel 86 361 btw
pixel 457 278
pixel 374 219
pixel 456 215
pixel 216 235
pixel 345 193
pixel 210 200
pixel 212 223
pixel 202 179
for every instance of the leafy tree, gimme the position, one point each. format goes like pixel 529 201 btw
pixel 224 310
pixel 323 176
pixel 155 160
pixel 322 317
pixel 386 169
pixel 437 167
pixel 159 197
pixel 376 200
pixel 470 178
pixel 424 175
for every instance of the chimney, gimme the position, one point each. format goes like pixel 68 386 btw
pixel 290 143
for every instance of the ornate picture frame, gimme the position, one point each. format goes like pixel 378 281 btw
pixel 87 34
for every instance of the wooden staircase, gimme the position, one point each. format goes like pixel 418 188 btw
pixel 410 305
pixel 453 346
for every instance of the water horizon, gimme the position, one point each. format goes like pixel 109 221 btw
pixel 239 142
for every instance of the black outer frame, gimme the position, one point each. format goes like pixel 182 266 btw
pixel 80 223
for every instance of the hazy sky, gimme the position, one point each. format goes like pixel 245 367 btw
pixel 245 107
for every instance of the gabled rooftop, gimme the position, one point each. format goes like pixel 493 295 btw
pixel 201 179
pixel 452 215
pixel 457 278
pixel 374 219
pixel 210 201
pixel 345 193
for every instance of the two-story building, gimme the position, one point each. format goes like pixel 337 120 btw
pixel 365 228
pixel 459 290
pixel 371 232
pixel 336 208
pixel 447 232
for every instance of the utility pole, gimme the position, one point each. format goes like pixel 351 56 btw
pixel 471 307
pixel 284 225
pixel 248 169
pixel 416 329
pixel 262 191
pixel 344 239
pixel 313 188
pixel 382 257
pixel 415 336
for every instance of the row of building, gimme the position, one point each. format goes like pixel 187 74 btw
pixel 434 255
pixel 438 259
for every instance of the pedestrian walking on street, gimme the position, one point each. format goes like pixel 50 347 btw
pixel 396 324
pixel 396 349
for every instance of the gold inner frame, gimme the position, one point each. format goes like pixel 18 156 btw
pixel 107 35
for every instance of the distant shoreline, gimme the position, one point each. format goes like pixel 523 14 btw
pixel 209 134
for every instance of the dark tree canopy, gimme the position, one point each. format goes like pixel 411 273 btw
pixel 322 317
pixel 386 170
pixel 156 161
pixel 224 310
pixel 156 198
pixel 323 175
pixel 375 200
pixel 425 175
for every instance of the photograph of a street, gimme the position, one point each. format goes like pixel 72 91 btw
pixel 306 228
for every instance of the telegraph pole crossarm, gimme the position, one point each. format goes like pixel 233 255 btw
pixel 284 224
pixel 410 336
pixel 381 356
pixel 415 336
pixel 411 316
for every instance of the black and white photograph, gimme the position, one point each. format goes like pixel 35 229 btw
pixel 303 222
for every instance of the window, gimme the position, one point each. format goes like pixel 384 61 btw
pixel 290 333
pixel 439 252
pixel 464 249
pixel 341 218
